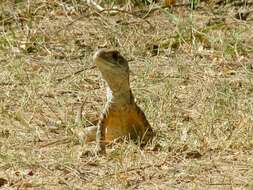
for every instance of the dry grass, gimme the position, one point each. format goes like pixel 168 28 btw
pixel 191 73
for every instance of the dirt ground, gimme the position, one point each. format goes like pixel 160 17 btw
pixel 191 73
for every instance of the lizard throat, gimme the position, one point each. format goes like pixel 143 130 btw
pixel 119 97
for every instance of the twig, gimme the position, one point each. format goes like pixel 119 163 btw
pixel 141 167
pixel 223 184
pixel 97 6
pixel 63 141
pixel 78 119
pixel 114 10
pixel 56 115
pixel 163 7
pixel 75 73
pixel 60 179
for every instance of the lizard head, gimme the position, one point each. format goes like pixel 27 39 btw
pixel 114 68
pixel 111 61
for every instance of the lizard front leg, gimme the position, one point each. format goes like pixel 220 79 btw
pixel 100 138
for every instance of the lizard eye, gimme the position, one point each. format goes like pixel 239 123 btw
pixel 115 56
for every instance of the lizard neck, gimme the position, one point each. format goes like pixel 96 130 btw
pixel 119 98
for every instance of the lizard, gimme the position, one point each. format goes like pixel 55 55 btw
pixel 121 117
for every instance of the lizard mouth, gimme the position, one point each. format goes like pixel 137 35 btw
pixel 102 62
pixel 110 58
